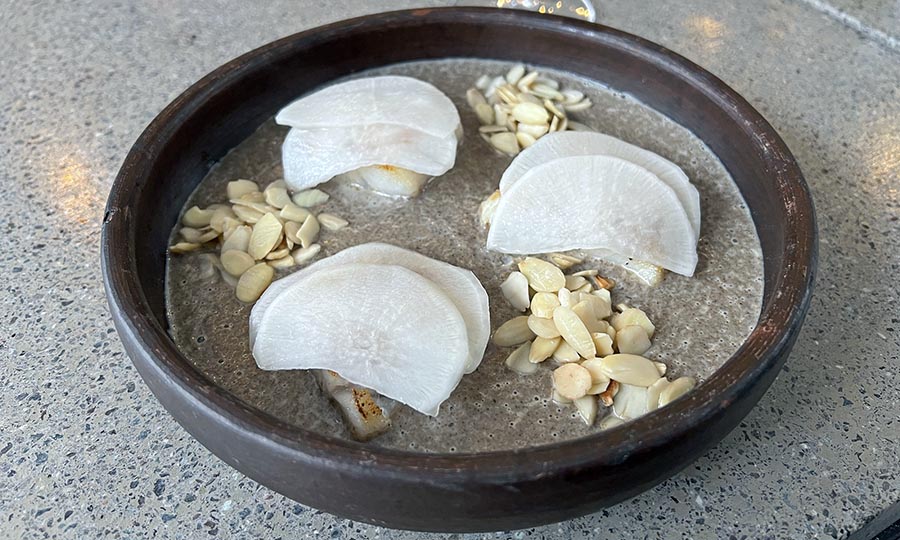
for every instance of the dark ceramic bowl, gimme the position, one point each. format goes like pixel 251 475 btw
pixel 458 492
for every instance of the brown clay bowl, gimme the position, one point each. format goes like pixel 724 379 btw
pixel 458 492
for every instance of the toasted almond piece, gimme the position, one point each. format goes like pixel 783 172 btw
pixel 332 222
pixel 564 262
pixel 603 343
pixel 543 327
pixel 506 143
pixel 309 198
pixel 236 262
pixel 277 197
pixel 661 368
pixel 564 353
pixel 246 214
pixel 603 282
pixel 284 262
pixel 579 106
pixel 578 126
pixel 585 313
pixel 309 231
pixel 571 381
pixel 279 253
pixel 535 130
pixel 501 115
pixel 515 290
pixel 253 282
pixel 236 188
pixel 654 391
pixel 587 408
pixel 530 113
pixel 676 389
pixel 474 97
pixel 542 276
pixel 527 81
pixel 197 217
pixel 573 283
pixel 611 421
pixel 515 74
pixel 632 316
pixel 574 331
pixel 565 297
pixel 607 396
pixel 487 208
pixel 183 247
pixel 632 340
pixel 485 114
pixel 518 360
pixel 304 255
pixel 542 349
pixel 267 233
pixel 629 369
pixel 572 96
pixel 525 140
pixel 513 332
pixel 239 239
pixel 543 304
pixel 555 397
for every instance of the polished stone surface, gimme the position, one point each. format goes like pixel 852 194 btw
pixel 86 451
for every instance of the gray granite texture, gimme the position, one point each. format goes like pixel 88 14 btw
pixel 86 451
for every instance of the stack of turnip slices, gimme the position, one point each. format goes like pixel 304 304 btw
pixel 590 191
pixel 388 133
pixel 382 317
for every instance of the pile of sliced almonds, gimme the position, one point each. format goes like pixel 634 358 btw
pixel 598 350
pixel 257 233
pixel 518 109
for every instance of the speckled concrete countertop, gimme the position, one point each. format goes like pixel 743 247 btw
pixel 86 451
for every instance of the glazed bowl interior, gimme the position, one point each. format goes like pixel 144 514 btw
pixel 198 128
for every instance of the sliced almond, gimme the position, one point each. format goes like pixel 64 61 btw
pixel 515 74
pixel 332 222
pixel 237 188
pixel 587 409
pixel 304 255
pixel 309 231
pixel 558 399
pixel 501 115
pixel 564 262
pixel 654 391
pixel 279 253
pixel 553 108
pixel 630 402
pixel 508 94
pixel 247 214
pixel 611 421
pixel 190 234
pixel 543 304
pixel 236 262
pixel 632 316
pixel 530 113
pixel 661 368
pixel 485 114
pixel 506 143
pixel 574 283
pixel 542 276
pixel 291 228
pixel 487 208
pixel 574 331
pixel 565 297
pixel 594 367
pixel 545 91
pixel 579 106
pixel 564 353
pixel 629 369
pixel 571 381
pixel 578 126
pixel 474 97
pixel 542 349
pixel 603 343
pixel 197 217
pixel 183 247
pixel 585 313
pixel 239 239
pixel 676 389
pixel 219 215
pixel 267 233
pixel 209 265
pixel 518 360
pixel 277 196
pixel 253 282
pixel 284 262
pixel 515 290
pixel 310 198
pixel 632 340
pixel 572 96
pixel 525 140
pixel 527 81
pixel 260 206
pixel 554 124
pixel 492 129
pixel 545 328
pixel 513 332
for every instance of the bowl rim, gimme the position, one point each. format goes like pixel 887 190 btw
pixel 757 355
